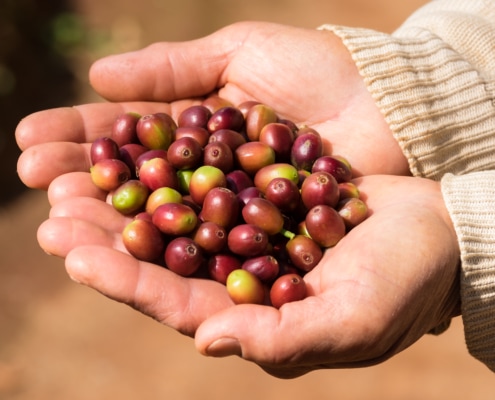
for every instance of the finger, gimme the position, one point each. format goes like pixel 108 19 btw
pixel 77 124
pixel 91 210
pixel 58 236
pixel 50 139
pixel 74 184
pixel 39 165
pixel 301 336
pixel 181 303
pixel 169 71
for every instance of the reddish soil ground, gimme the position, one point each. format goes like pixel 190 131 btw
pixel 59 340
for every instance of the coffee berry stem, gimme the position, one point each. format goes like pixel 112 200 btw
pixel 288 234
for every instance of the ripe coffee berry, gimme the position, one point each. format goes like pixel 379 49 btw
pixel 234 194
pixel 287 288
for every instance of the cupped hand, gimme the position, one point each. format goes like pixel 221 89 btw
pixel 388 282
pixel 306 75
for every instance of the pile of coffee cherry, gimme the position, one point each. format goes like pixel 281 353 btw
pixel 230 193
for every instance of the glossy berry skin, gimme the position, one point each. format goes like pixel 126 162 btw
pixel 237 180
pixel 104 148
pixel 263 213
pixel 292 126
pixel 247 240
pixel 219 155
pixel 203 179
pixel 283 193
pixel 266 268
pixel 251 192
pixel 225 118
pixel 175 219
pixel 320 188
pixel 130 153
pixel 130 197
pixel 245 106
pixel 156 131
pixel 211 237
pixel 194 116
pixel 257 117
pixel 201 135
pixel 244 287
pixel 185 153
pixel 157 173
pixel 149 155
pixel 277 170
pixel 124 128
pixel 231 138
pixel 109 174
pixel 143 240
pixel 252 156
pixel 304 253
pixel 353 211
pixel 287 288
pixel 220 206
pixel 325 226
pixel 336 167
pixel 280 138
pixel 184 179
pixel 348 190
pixel 307 147
pixel 161 196
pixel 221 265
pixel 183 256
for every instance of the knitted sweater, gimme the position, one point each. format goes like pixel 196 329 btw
pixel 434 81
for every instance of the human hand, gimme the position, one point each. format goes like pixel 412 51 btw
pixel 384 285
pixel 307 75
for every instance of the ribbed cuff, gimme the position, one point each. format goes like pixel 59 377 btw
pixel 470 200
pixel 435 102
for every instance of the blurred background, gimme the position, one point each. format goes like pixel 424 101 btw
pixel 59 340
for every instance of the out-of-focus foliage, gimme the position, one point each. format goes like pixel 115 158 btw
pixel 45 51
pixel 34 72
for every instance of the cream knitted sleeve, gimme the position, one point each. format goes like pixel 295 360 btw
pixel 434 81
pixel 470 200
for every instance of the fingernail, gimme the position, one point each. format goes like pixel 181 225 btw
pixel 224 347
pixel 74 279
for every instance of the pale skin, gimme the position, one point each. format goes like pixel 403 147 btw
pixel 365 306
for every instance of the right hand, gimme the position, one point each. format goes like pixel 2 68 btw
pixel 382 287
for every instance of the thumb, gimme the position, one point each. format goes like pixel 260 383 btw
pixel 286 343
pixel 166 71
